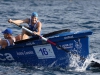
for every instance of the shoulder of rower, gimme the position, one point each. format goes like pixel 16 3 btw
pixel 39 24
pixel 3 42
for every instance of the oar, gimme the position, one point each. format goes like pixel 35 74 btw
pixel 56 32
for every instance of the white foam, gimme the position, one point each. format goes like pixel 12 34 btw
pixel 75 62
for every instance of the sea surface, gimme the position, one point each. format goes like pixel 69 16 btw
pixel 55 15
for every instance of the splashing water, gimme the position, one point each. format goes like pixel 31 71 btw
pixel 79 66
pixel 85 65
pixel 73 61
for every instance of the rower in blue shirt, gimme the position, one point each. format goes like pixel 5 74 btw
pixel 8 38
pixel 33 24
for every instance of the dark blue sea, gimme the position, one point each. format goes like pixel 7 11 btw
pixel 55 15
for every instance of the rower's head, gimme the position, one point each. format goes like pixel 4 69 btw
pixel 34 17
pixel 7 32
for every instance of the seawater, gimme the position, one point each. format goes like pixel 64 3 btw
pixel 55 15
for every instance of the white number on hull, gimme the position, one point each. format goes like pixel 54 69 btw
pixel 44 51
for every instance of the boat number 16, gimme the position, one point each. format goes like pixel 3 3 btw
pixel 43 51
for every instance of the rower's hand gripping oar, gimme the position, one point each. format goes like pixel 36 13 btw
pixel 49 41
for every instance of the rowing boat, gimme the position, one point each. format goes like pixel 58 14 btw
pixel 37 52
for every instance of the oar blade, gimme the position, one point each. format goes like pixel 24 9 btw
pixel 95 64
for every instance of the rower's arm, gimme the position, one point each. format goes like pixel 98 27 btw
pixel 18 22
pixel 3 43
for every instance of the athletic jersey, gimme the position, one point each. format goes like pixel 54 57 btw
pixel 33 27
pixel 8 42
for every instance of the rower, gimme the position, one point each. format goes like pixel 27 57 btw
pixel 33 24
pixel 8 38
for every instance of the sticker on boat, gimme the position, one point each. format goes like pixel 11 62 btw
pixel 44 51
pixel 6 56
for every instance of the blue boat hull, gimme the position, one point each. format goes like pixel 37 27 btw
pixel 40 53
